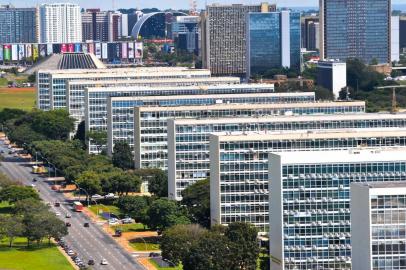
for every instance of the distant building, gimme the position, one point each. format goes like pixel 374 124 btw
pixel 378 220
pixel 95 25
pixel 60 23
pixel 18 25
pixel 395 35
pixel 224 32
pixel 402 32
pixel 155 25
pixel 185 32
pixel 355 29
pixel 310 38
pixel 273 41
pixel 332 75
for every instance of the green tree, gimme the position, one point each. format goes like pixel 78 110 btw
pixel 196 197
pixel 90 181
pixel 99 138
pixel 178 240
pixel 211 252
pixel 5 181
pixel 13 194
pixel 54 227
pixel 158 183
pixel 81 134
pixel 243 244
pixel 323 93
pixel 164 213
pixel 11 227
pixel 8 114
pixel 125 182
pixel 122 156
pixel 55 124
pixel 134 206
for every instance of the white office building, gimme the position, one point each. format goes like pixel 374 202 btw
pixel 332 74
pixel 378 225
pixel 60 23
pixel 150 123
pixel 239 166
pixel 310 215
pixel 188 139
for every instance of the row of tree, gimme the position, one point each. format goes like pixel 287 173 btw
pixel 234 247
pixel 29 217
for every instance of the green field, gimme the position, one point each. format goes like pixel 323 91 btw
pixel 100 208
pixel 145 243
pixel 18 98
pixel 34 258
pixel 135 227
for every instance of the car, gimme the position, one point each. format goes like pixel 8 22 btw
pixel 127 220
pixel 86 224
pixel 70 252
pixel 117 233
pixel 109 196
pixel 154 254
pixel 68 215
pixel 91 262
pixel 57 214
pixel 57 204
pixel 68 224
pixel 34 179
pixel 33 185
pixel 104 262
pixel 113 221
pixel 97 196
pixel 10 152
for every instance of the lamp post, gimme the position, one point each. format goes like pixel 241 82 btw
pixel 87 194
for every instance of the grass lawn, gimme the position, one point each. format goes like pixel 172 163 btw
pixel 35 258
pixel 5 208
pixel 105 208
pixel 145 243
pixel 135 227
pixel 179 267
pixel 18 98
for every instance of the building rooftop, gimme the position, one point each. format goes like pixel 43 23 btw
pixel 377 154
pixel 177 70
pixel 389 184
pixel 79 61
pixel 310 134
pixel 253 106
pixel 293 118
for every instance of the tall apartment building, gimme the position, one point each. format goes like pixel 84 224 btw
pixel 402 32
pixel 18 25
pixel 378 222
pixel 189 139
pixel 273 41
pixel 311 224
pixel 224 31
pixel 105 26
pixel 355 29
pixel 310 37
pixel 60 23
pixel 185 32
pixel 395 36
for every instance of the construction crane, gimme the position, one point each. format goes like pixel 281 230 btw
pixel 193 8
pixel 394 107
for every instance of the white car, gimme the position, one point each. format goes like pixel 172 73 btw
pixel 97 196
pixel 109 196
pixel 57 213
pixel 70 252
pixel 127 220
pixel 104 262
pixel 113 221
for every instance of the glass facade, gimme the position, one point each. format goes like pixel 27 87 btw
pixel 265 50
pixel 151 123
pixel 243 169
pixel 189 140
pixel 357 29
pixel 388 226
pixel 18 25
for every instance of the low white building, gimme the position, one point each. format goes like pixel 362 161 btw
pixel 332 74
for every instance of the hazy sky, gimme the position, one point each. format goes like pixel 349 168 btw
pixel 175 4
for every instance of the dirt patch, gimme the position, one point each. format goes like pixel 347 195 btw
pixel 7 90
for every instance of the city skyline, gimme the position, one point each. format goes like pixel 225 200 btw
pixel 175 4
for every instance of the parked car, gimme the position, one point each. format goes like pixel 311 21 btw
pixel 68 215
pixel 91 262
pixel 154 254
pixel 117 233
pixel 68 224
pixel 127 220
pixel 97 196
pixel 109 196
pixel 57 204
pixel 86 224
pixel 113 221
pixel 104 262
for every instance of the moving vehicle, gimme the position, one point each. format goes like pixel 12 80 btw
pixel 68 224
pixel 57 204
pixel 68 215
pixel 104 262
pixel 86 224
pixel 90 262
pixel 117 233
pixel 77 206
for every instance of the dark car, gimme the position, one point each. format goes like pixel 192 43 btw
pixel 86 224
pixel 118 233
pixel 68 224
pixel 91 262
pixel 34 179
pixel 57 204
pixel 154 254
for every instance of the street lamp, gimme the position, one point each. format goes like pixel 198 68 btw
pixel 87 194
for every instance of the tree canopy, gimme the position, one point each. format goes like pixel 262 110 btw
pixel 122 156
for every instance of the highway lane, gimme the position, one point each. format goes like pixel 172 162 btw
pixel 89 243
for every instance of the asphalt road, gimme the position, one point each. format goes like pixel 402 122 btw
pixel 91 242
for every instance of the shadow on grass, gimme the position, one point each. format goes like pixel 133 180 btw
pixel 145 243
pixel 6 210
pixel 20 246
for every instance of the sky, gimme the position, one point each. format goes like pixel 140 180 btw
pixel 164 4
